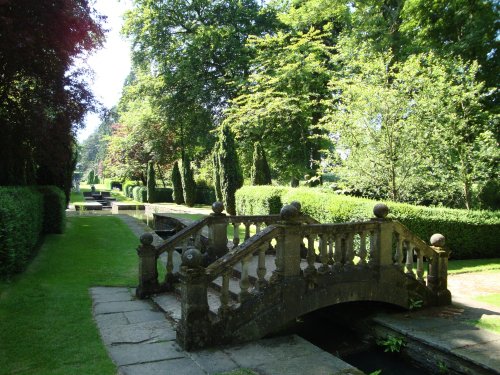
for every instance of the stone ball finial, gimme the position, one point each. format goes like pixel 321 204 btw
pixel 217 207
pixel 437 240
pixel 192 258
pixel 381 210
pixel 146 238
pixel 297 205
pixel 289 213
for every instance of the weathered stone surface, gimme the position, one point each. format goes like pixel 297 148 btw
pixel 170 304
pixel 485 355
pixel 213 361
pixel 154 331
pixel 144 316
pixel 128 354
pixel 108 320
pixel 114 307
pixel 181 366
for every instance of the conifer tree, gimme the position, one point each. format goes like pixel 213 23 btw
pixel 177 184
pixel 215 158
pixel 151 182
pixel 231 178
pixel 188 184
pixel 260 174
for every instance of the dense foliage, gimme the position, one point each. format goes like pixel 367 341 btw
pixel 151 183
pixel 462 228
pixel 260 173
pixel 43 97
pixel 188 184
pixel 178 196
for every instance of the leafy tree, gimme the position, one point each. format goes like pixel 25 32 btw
pixel 217 185
pixel 177 184
pixel 188 184
pixel 261 174
pixel 231 178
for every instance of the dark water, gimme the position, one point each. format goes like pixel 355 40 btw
pixel 339 331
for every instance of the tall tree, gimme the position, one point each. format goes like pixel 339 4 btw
pixel 43 98
pixel 261 173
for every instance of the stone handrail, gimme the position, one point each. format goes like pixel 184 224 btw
pixel 249 247
pixel 182 235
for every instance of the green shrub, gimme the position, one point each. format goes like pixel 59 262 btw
pixel 205 195
pixel 90 177
pixel 151 183
pixel 140 194
pixel 188 184
pixel 469 234
pixel 164 195
pixel 21 220
pixel 111 184
pixel 128 186
pixel 260 173
pixel 54 209
pixel 259 200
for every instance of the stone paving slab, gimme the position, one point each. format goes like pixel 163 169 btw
pixel 141 341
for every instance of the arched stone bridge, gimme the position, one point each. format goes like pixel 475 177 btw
pixel 292 265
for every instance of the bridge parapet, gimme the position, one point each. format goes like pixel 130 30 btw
pixel 290 258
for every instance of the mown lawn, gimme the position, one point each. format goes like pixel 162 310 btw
pixel 46 324
pixel 473 265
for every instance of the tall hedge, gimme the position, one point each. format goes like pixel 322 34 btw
pixel 21 223
pixel 469 234
pixel 177 194
pixel 140 194
pixel 231 177
pixel 188 184
pixel 54 208
pixel 151 183
pixel 260 172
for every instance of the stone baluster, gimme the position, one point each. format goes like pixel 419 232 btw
pixel 257 227
pixel 197 239
pixel 169 266
pixel 224 293
pixel 245 280
pixel 184 246
pixel 420 266
pixel 236 234
pixel 337 256
pixel 261 268
pixel 148 273
pixel 409 259
pixel 362 249
pixel 247 230
pixel 398 256
pixel 372 251
pixel 349 251
pixel 323 253
pixel 311 256
pixel 331 248
pixel 437 279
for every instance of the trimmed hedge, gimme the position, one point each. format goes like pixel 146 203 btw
pixel 469 234
pixel 128 187
pixel 259 200
pixel 21 220
pixel 112 184
pixel 54 208
pixel 205 195
pixel 140 194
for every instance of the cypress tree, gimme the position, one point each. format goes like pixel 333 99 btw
pixel 177 184
pixel 188 184
pixel 151 183
pixel 90 177
pixel 215 159
pixel 260 173
pixel 231 178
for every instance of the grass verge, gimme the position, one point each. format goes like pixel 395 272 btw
pixel 46 324
pixel 490 323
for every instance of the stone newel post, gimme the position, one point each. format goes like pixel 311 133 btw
pixel 148 274
pixel 437 279
pixel 288 245
pixel 194 326
pixel 217 233
pixel 383 254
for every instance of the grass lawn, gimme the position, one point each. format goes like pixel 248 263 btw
pixel 492 299
pixel 490 323
pixel 473 265
pixel 46 324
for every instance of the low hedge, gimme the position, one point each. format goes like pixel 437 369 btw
pixel 469 234
pixel 140 194
pixel 205 195
pixel 128 186
pixel 259 200
pixel 54 208
pixel 111 184
pixel 21 222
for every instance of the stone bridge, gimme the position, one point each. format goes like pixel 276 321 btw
pixel 240 290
